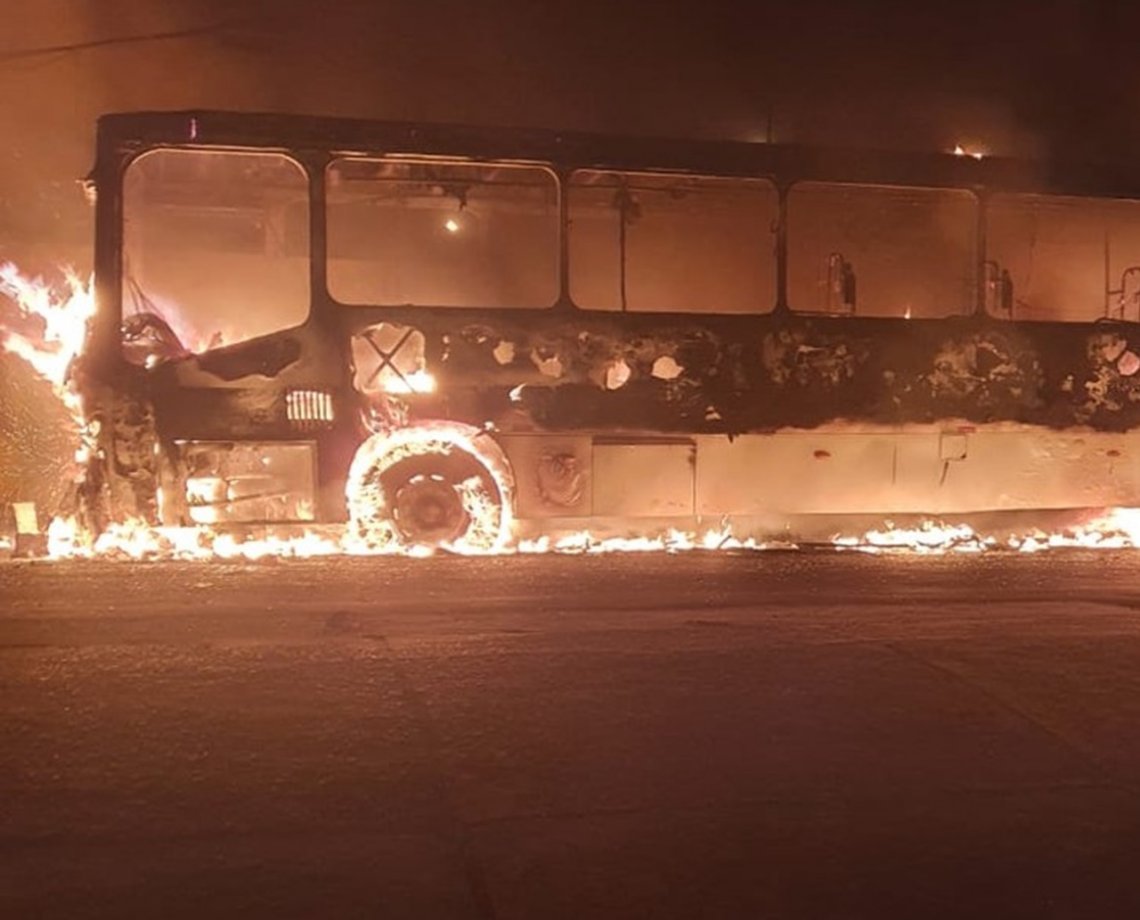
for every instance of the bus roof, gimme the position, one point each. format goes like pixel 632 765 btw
pixel 569 149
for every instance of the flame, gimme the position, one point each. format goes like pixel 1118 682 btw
pixel 420 381
pixel 490 513
pixel 1117 528
pixel 51 334
pixel 139 541
pixel 64 315
pixel 960 151
pixel 672 541
pixel 136 540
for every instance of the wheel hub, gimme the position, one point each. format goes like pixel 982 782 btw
pixel 428 509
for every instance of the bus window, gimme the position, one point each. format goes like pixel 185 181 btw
pixel 873 250
pixel 215 250
pixel 1067 259
pixel 651 242
pixel 439 234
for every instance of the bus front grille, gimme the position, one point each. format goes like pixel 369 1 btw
pixel 306 409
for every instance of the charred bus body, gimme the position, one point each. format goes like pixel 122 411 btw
pixel 587 331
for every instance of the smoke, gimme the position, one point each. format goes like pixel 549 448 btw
pixel 1012 78
pixel 895 75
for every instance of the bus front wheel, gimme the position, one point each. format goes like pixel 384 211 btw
pixel 432 485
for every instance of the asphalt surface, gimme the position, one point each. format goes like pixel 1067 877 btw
pixel 770 735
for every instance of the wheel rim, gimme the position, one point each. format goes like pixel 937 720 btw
pixel 428 509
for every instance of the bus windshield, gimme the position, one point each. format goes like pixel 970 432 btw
pixel 215 245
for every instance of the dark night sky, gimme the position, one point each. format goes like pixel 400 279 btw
pixel 1029 78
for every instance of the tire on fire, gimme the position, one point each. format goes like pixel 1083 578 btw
pixel 436 484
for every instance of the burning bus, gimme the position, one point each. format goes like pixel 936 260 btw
pixel 448 336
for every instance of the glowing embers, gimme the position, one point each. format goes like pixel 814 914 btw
pixel 309 408
pixel 960 151
pixel 437 484
pixel 244 483
pixel 671 541
pixel 389 358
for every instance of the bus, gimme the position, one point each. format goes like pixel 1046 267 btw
pixel 440 335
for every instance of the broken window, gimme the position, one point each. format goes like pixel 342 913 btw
pixel 215 250
pixel 389 358
pixel 434 233
pixel 1066 259
pixel 874 250
pixel 650 242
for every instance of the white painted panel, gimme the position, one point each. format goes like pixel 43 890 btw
pixel 643 479
pixel 794 472
pixel 928 471
pixel 1044 469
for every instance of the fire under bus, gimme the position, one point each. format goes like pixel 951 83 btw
pixel 448 336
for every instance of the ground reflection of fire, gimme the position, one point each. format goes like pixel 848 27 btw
pixel 54 333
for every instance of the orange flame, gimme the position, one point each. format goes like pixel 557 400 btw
pixel 64 315
pixel 1118 528
pixel 491 517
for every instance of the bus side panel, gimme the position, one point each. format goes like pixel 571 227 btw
pixel 552 474
pixel 641 480
pixel 795 473
pixel 580 476
pixel 1039 469
pixel 939 472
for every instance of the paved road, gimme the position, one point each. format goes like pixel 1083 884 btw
pixel 767 735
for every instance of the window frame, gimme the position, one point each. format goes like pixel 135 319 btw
pixel 993 193
pixel 122 294
pixel 975 305
pixel 335 157
pixel 774 231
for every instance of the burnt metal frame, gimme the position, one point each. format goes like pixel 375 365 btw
pixel 1063 349
pixel 315 141
pixel 137 131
